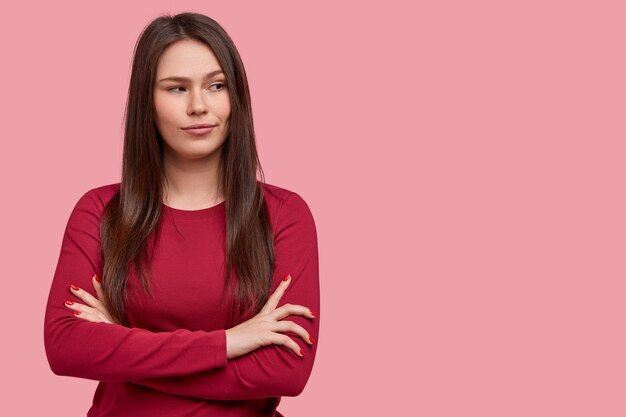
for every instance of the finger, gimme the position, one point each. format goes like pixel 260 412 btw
pixel 97 286
pixel 289 309
pixel 78 309
pixel 86 313
pixel 288 342
pixel 273 300
pixel 85 296
pixel 74 306
pixel 290 326
pixel 100 295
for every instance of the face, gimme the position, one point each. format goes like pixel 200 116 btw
pixel 191 90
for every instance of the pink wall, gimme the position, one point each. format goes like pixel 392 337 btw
pixel 464 162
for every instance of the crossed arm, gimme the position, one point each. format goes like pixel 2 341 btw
pixel 183 362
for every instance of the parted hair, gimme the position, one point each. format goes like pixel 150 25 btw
pixel 133 214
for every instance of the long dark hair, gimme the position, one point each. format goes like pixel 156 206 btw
pixel 134 212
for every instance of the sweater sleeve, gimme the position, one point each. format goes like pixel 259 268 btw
pixel 272 370
pixel 111 352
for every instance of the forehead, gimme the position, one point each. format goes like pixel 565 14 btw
pixel 187 58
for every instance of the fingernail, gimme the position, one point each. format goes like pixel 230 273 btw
pixel 301 352
pixel 287 277
pixel 76 312
pixel 313 313
pixel 311 339
pixel 97 277
pixel 68 302
pixel 74 287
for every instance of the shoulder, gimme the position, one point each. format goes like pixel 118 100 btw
pixel 286 206
pixel 104 192
pixel 277 198
pixel 94 200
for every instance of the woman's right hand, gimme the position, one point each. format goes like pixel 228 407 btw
pixel 266 327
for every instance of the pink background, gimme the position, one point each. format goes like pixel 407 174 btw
pixel 464 162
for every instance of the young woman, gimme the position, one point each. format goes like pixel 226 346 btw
pixel 189 288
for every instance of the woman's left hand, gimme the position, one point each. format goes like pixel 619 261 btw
pixel 95 310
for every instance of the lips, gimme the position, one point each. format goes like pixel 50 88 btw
pixel 199 129
pixel 199 126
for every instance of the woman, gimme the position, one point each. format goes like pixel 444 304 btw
pixel 190 287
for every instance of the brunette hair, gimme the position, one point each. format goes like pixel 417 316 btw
pixel 134 212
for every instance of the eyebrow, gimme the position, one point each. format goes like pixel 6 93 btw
pixel 182 79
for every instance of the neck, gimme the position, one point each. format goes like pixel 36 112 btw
pixel 191 184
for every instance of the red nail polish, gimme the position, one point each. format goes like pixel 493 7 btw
pixel 301 352
pixel 286 277
pixel 311 339
pixel 75 288
pixel 97 277
pixel 313 313
pixel 68 302
pixel 76 312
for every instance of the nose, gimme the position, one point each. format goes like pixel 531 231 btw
pixel 197 103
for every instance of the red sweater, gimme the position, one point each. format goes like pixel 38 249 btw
pixel 171 360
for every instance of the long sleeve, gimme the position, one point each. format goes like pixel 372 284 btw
pixel 111 352
pixel 271 370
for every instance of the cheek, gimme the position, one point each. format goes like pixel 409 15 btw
pixel 164 113
pixel 225 110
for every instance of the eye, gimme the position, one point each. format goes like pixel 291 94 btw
pixel 220 85
pixel 173 88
